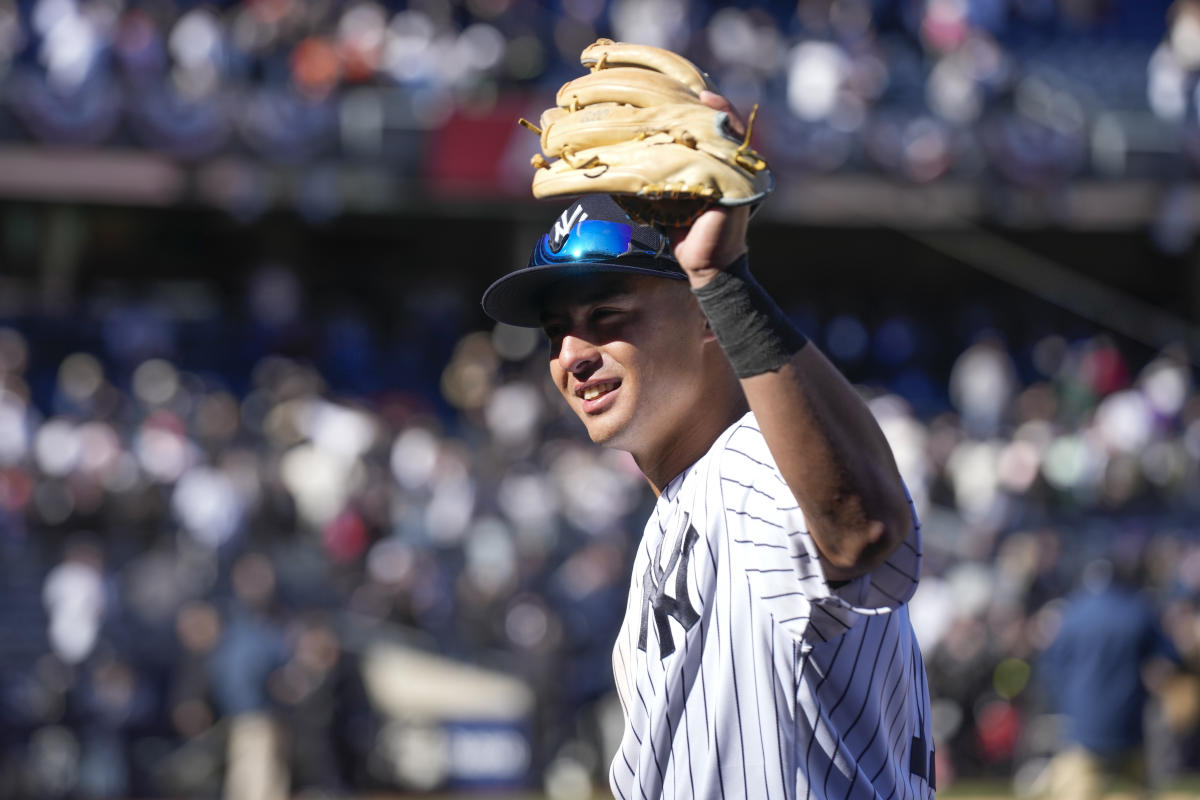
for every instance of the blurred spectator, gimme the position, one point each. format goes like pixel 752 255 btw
pixel 982 385
pixel 325 710
pixel 190 695
pixel 1108 644
pixel 112 699
pixel 252 647
pixel 75 599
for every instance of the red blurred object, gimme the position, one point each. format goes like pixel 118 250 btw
pixel 997 729
pixel 16 489
pixel 1105 370
pixel 358 62
pixel 315 67
pixel 470 154
pixel 345 537
pixel 944 26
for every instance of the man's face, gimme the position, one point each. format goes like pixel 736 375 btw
pixel 625 353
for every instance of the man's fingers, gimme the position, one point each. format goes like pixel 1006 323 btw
pixel 718 102
pixel 714 100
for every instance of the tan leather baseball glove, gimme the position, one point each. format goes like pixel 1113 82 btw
pixel 634 127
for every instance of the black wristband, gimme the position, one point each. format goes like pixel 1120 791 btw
pixel 753 331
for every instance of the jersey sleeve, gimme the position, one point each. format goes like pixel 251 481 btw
pixel 768 532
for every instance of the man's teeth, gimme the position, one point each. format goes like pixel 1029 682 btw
pixel 592 392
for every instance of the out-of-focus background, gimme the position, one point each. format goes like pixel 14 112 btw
pixel 282 512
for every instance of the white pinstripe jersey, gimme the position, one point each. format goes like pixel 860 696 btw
pixel 742 674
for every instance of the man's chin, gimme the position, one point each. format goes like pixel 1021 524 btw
pixel 605 433
pixel 600 437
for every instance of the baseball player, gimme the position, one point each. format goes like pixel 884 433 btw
pixel 766 650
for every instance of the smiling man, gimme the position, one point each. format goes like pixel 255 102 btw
pixel 631 378
pixel 766 649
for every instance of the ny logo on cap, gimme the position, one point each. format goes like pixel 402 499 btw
pixel 563 225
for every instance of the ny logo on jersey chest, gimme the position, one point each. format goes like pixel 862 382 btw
pixel 656 600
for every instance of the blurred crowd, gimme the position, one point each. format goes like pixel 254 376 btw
pixel 1030 484
pixel 189 553
pixel 1029 91
pixel 186 553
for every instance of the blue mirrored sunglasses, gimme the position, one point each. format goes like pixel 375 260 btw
pixel 592 240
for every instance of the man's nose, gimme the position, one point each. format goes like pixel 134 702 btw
pixel 577 354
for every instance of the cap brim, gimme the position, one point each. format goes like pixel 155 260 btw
pixel 516 298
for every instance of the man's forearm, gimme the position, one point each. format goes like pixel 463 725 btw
pixel 835 460
pixel 825 441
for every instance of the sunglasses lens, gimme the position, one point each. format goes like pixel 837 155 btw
pixel 590 240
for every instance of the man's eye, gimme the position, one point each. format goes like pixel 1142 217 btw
pixel 605 313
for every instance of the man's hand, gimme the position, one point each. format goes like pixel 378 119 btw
pixel 718 236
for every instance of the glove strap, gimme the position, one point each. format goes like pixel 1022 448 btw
pixel 753 331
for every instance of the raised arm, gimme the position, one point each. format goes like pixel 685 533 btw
pixel 825 441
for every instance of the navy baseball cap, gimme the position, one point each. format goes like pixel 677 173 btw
pixel 592 235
